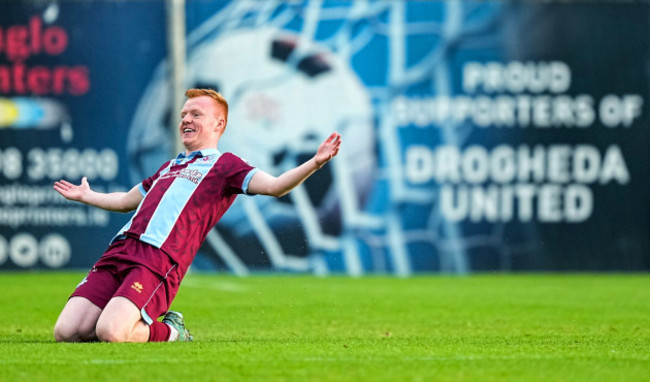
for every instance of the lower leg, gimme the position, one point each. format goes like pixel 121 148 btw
pixel 159 332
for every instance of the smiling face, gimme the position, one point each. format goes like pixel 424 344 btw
pixel 202 123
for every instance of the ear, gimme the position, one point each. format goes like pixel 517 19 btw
pixel 220 126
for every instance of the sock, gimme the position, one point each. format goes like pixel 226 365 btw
pixel 173 334
pixel 159 332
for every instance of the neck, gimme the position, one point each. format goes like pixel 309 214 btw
pixel 188 150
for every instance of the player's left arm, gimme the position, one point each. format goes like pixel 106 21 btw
pixel 266 184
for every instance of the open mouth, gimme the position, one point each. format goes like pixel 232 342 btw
pixel 188 130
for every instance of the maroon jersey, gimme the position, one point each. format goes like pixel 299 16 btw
pixel 184 199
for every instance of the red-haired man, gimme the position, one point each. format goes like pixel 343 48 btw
pixel 136 279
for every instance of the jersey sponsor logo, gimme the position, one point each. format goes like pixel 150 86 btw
pixel 193 176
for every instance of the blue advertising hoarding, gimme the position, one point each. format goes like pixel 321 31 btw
pixel 70 78
pixel 478 136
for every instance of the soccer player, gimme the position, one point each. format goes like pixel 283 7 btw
pixel 136 279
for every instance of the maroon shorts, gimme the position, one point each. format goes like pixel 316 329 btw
pixel 120 272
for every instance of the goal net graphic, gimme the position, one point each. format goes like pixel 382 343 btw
pixel 293 73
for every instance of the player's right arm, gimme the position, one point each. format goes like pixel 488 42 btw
pixel 114 201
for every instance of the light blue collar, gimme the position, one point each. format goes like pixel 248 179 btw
pixel 200 153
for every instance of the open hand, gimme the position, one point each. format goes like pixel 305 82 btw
pixel 71 191
pixel 328 149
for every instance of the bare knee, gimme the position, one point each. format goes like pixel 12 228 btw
pixel 106 333
pixel 111 332
pixel 121 321
pixel 77 321
pixel 64 332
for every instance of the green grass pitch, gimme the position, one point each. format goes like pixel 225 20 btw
pixel 587 327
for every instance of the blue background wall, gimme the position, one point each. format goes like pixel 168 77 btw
pixel 478 136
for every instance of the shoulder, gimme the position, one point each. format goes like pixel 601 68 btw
pixel 232 159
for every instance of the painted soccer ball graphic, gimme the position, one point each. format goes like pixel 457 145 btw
pixel 285 96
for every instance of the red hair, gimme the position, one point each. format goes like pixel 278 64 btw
pixel 215 95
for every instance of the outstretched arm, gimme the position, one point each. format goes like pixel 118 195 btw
pixel 266 184
pixel 114 201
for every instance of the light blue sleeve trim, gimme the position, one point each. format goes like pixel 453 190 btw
pixel 247 180
pixel 141 188
pixel 145 317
